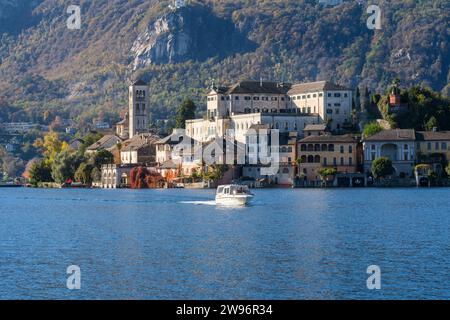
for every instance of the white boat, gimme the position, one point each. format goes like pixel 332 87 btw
pixel 233 195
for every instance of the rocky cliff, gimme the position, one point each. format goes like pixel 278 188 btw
pixel 190 33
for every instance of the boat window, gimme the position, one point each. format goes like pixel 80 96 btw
pixel 220 190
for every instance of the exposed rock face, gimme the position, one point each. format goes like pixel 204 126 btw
pixel 191 33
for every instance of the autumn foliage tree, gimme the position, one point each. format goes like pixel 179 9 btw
pixel 142 178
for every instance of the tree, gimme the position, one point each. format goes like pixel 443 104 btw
pixel 96 175
pixel 83 173
pixel 382 167
pixel 432 123
pixel 102 157
pixel 185 112
pixel 52 146
pixel 89 140
pixel 371 129
pixel 326 172
pixel 215 172
pixel 39 172
pixel 65 165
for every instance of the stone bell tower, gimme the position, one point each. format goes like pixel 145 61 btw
pixel 138 108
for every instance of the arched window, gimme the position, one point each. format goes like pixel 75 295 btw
pixel 317 147
pixel 317 159
pixel 277 125
pixel 303 159
pixel 310 147
pixel 331 147
pixel 324 147
pixel 310 159
pixel 303 147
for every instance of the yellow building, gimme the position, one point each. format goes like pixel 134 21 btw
pixel 433 147
pixel 328 151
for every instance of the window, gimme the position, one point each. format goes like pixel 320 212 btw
pixel 337 95
pixel 350 161
pixel 314 95
pixel 334 162
pixel 256 98
pixel 336 111
pixel 342 161
pixel 436 147
pixel 337 104
pixel 429 146
pixel 444 146
pixel 329 111
pixel 325 162
pixel 342 149
pixel 247 98
pixel 345 95
pixel 350 149
pixel 222 98
pixel 329 95
pixel 236 98
pixel 321 94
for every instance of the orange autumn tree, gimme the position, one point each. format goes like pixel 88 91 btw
pixel 142 178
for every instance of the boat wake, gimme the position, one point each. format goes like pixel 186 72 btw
pixel 200 203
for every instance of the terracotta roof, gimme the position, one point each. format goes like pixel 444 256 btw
pixel 169 164
pixel 140 141
pixel 315 87
pixel 433 136
pixel 346 138
pixel 393 135
pixel 106 142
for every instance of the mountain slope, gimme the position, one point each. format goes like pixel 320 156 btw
pixel 83 73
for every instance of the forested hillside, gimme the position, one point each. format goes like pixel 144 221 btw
pixel 48 69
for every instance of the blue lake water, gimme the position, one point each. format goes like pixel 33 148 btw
pixel 173 244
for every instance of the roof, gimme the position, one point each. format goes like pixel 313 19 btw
pixel 139 82
pixel 106 142
pixel 346 138
pixel 316 86
pixel 433 135
pixel 123 122
pixel 393 135
pixel 140 141
pixel 175 138
pixel 315 127
pixel 252 86
pixel 169 164
pixel 258 127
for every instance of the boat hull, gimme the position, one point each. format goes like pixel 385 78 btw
pixel 235 201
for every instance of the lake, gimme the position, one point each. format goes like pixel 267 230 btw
pixel 175 244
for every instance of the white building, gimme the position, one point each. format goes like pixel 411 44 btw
pixel 283 106
pixel 398 145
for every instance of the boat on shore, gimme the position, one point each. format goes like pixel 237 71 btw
pixel 233 195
